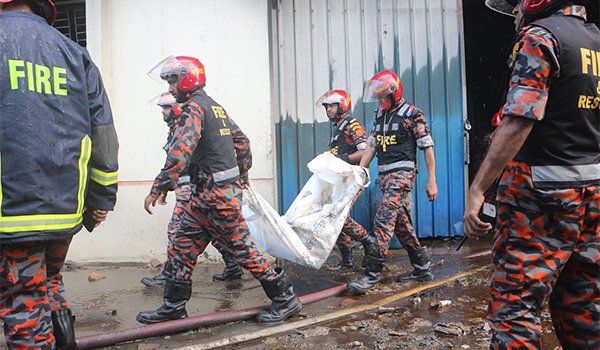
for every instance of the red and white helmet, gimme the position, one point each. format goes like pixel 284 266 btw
pixel 336 96
pixel 46 9
pixel 188 70
pixel 382 84
pixel 164 99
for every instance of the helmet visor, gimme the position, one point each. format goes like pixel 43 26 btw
pixel 504 7
pixel 168 66
pixel 377 88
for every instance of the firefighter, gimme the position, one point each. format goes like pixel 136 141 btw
pixel 399 129
pixel 218 157
pixel 59 169
pixel 547 152
pixel 348 143
pixel 171 111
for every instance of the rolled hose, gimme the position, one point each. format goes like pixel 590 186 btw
pixel 186 324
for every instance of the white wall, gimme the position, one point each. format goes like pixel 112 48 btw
pixel 126 38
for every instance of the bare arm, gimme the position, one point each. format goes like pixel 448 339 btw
pixel 367 156
pixel 510 136
pixel 356 156
pixel 431 188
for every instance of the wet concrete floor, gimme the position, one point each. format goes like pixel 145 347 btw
pixel 111 304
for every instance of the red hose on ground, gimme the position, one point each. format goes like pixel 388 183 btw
pixel 186 324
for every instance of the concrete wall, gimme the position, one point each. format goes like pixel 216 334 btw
pixel 126 38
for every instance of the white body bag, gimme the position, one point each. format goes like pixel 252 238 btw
pixel 309 229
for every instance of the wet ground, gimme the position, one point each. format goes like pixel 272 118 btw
pixel 399 316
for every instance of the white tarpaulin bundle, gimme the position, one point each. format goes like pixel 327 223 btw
pixel 309 229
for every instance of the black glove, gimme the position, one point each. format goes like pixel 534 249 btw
pixel 88 220
pixel 343 157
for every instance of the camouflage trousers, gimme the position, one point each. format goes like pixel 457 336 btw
pixel 183 192
pixel 31 287
pixel 546 256
pixel 351 230
pixel 393 215
pixel 226 227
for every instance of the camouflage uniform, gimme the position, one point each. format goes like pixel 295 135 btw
pixel 351 230
pixel 354 135
pixel 393 215
pixel 547 242
pixel 213 212
pixel 183 192
pixel 28 294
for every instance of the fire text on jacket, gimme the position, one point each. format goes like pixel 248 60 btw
pixel 37 77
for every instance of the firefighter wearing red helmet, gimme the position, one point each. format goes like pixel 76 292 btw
pixel 399 129
pixel 171 112
pixel 347 142
pixel 547 151
pixel 217 154
pixel 59 169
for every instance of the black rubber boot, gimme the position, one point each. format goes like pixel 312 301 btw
pixel 347 259
pixel 419 259
pixel 177 293
pixel 285 303
pixel 63 322
pixel 370 279
pixel 231 271
pixel 367 243
pixel 159 279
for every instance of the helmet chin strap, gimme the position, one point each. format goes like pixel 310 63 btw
pixel 385 106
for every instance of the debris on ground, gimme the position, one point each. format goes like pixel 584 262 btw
pixel 350 328
pixel 154 264
pixel 313 332
pixel 95 276
pixel 398 334
pixel 347 302
pixel 449 329
pixel 384 318
pixel 418 323
pixel 100 303
pixel 438 304
pixel 466 299
pixel 70 264
pixel 385 310
pixel 462 281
